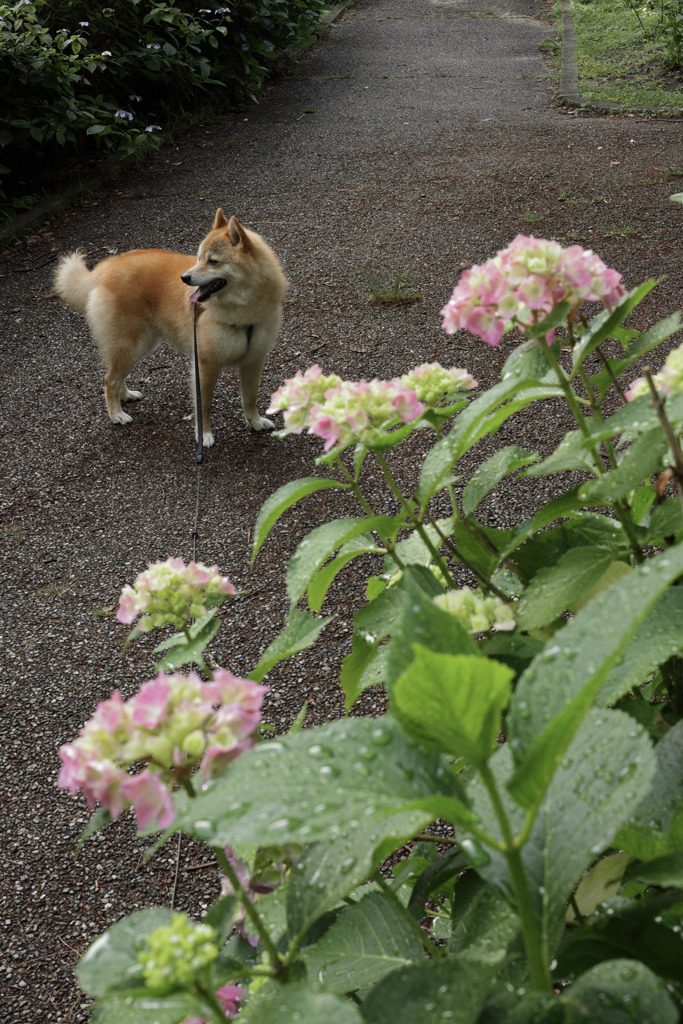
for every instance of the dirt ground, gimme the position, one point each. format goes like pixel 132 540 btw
pixel 419 137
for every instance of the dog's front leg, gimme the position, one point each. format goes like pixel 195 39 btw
pixel 250 378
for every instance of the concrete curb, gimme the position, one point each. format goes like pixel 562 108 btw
pixel 111 167
pixel 570 95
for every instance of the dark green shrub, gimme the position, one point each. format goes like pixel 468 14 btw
pixel 76 80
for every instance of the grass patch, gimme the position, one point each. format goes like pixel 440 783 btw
pixel 620 57
pixel 391 289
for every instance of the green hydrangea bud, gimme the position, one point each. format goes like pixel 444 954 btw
pixel 475 612
pixel 175 954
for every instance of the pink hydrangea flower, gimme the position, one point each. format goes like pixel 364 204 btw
pixel 173 725
pixel 150 798
pixel 343 413
pixel 299 394
pixel 523 283
pixel 171 592
pixel 668 381
pixel 229 998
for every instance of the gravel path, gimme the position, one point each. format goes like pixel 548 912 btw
pixel 419 137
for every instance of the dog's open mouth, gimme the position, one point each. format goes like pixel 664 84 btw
pixel 203 292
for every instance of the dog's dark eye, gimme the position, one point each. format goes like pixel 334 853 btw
pixel 211 260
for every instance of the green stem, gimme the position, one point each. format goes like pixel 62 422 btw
pixel 450 544
pixel 536 949
pixel 575 907
pixel 414 518
pixel 622 511
pixel 617 386
pixel 573 403
pixel 389 542
pixel 250 909
pixel 669 433
pixel 353 483
pixel 186 783
pixel 427 837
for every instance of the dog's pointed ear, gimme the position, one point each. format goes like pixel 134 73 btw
pixel 219 221
pixel 238 235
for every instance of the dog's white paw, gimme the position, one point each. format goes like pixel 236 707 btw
pixel 261 423
pixel 208 439
pixel 130 396
pixel 120 417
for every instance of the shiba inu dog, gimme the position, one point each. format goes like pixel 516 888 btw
pixel 134 301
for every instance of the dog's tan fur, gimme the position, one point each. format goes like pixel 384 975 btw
pixel 134 301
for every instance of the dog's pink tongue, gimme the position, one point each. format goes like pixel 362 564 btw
pixel 194 294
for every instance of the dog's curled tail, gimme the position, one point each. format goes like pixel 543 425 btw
pixel 73 281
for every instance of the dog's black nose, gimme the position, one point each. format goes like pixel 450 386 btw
pixel 186 279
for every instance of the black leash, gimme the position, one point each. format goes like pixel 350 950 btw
pixel 195 534
pixel 198 394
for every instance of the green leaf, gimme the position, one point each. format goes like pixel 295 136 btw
pixel 664 872
pixel 300 632
pixel 364 649
pixel 367 941
pixel 555 589
pixel 147 1008
pixel 453 703
pixel 636 417
pixel 414 550
pixel 437 878
pixel 665 521
pixel 603 325
pixel 655 827
pixel 221 916
pixel 528 361
pixel 555 509
pixel 570 454
pixel 609 765
pixel 628 928
pixel 562 682
pixel 644 458
pixel 655 640
pixel 97 820
pixel 297 1003
pixel 514 649
pixel 111 963
pixel 658 333
pixel 283 499
pixel 641 502
pixel 317 591
pixel 384 614
pixel 423 622
pixel 358 773
pixel 441 990
pixel 615 571
pixel 477 546
pixel 192 652
pixel 618 992
pixel 194 630
pixel 600 883
pixel 326 873
pixel 481 417
pixel 314 550
pixel 491 472
pixel 586 802
pixel 484 924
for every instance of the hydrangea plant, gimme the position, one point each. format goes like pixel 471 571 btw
pixel 536 716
